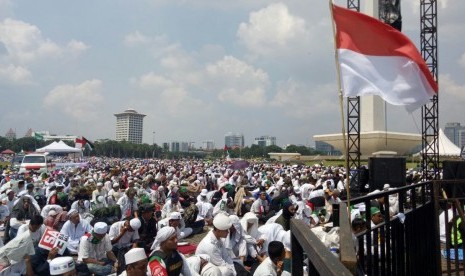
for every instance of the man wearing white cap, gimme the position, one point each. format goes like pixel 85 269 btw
pixel 100 191
pixel 212 245
pixel 63 266
pixel 205 208
pixel 95 251
pixel 175 220
pixel 123 236
pixel 165 258
pixel 136 262
pixel 75 228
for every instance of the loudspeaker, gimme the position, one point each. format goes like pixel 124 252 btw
pixel 386 170
pixel 454 170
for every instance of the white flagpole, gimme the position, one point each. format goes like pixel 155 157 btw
pixel 341 103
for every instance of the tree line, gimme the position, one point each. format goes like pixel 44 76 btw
pixel 124 149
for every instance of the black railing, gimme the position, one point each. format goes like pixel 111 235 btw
pixel 393 246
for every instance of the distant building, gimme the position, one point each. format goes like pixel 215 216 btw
pixel 326 148
pixel 129 126
pixel 208 145
pixel 456 133
pixel 234 140
pixel 28 133
pixel 55 137
pixel 10 135
pixel 265 141
pixel 176 146
pixel 166 146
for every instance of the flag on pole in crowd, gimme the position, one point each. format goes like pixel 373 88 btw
pixel 376 59
pixel 38 136
pixel 81 142
pixel 88 143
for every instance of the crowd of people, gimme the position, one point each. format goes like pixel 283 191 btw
pixel 128 216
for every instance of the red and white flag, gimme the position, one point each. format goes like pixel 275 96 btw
pixel 79 142
pixel 376 59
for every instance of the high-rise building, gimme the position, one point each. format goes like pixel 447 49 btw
pixel 208 145
pixel 234 140
pixel 176 146
pixel 265 141
pixel 10 135
pixel 129 126
pixel 455 132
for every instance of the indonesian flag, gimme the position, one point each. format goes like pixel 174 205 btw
pixel 79 143
pixel 376 59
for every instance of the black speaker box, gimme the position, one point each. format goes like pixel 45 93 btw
pixel 454 170
pixel 386 170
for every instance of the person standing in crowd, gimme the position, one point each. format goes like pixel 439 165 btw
pixel 95 251
pixel 128 204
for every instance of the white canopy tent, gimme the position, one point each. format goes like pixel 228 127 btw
pixel 59 147
pixel 446 147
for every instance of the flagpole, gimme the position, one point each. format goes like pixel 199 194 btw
pixel 341 103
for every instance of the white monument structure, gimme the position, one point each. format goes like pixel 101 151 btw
pixel 373 134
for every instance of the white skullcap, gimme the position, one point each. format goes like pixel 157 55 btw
pixel 204 192
pixel 162 235
pixel 100 228
pixel 52 213
pixel 72 212
pixel 386 186
pixel 100 184
pixel 297 191
pixel 100 199
pixel 115 185
pixel 175 215
pixel 135 255
pixel 61 265
pixel 135 224
pixel 8 191
pixel 222 222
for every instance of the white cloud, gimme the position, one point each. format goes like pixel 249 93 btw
pixel 75 46
pixel 136 38
pixel 15 74
pixel 272 28
pixel 298 100
pixel 152 81
pixel 462 60
pixel 237 82
pixel 24 42
pixel 78 101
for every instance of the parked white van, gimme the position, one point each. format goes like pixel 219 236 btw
pixel 38 162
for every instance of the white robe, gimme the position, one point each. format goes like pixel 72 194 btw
pixel 74 233
pixel 219 254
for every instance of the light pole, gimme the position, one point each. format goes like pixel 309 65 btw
pixel 153 144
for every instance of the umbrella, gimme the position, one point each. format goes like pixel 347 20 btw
pixel 7 151
pixel 239 165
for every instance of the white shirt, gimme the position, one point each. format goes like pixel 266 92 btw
pixel 126 204
pixel 205 210
pixel 94 251
pixel 219 254
pixel 75 232
pixel 266 268
pixel 127 239
pixel 35 236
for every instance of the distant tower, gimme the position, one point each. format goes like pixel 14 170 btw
pixel 129 126
pixel 28 133
pixel 10 135
pixel 234 140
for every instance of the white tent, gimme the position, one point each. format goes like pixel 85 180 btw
pixel 446 147
pixel 59 147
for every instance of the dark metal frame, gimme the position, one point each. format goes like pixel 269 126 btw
pixel 353 119
pixel 430 111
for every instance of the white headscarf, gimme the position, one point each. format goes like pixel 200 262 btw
pixel 162 235
pixel 250 218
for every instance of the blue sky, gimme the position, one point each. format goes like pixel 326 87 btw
pixel 198 69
